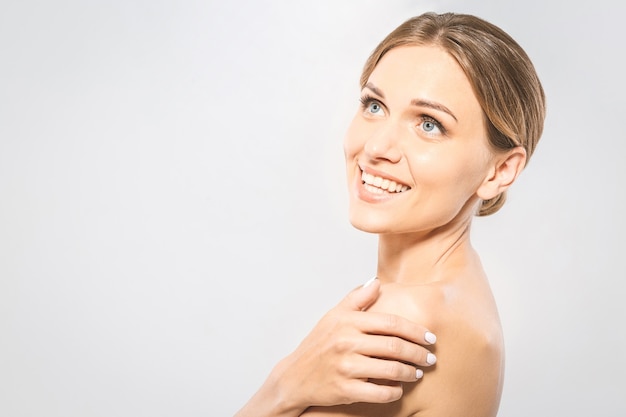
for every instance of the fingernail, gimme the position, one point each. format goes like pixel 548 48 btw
pixel 370 282
pixel 430 338
pixel 431 359
pixel 419 373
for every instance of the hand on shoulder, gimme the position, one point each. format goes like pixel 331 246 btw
pixel 343 356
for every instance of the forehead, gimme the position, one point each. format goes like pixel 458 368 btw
pixel 425 72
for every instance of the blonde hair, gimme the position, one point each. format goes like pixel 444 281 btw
pixel 503 77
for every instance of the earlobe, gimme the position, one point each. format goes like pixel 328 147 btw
pixel 504 171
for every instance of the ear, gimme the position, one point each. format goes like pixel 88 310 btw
pixel 505 169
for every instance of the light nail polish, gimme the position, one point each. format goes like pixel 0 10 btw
pixel 419 373
pixel 430 338
pixel 431 359
pixel 370 282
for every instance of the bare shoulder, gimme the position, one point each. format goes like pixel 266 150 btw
pixel 467 378
pixel 470 353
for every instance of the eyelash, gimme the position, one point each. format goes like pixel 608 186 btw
pixel 366 100
pixel 427 118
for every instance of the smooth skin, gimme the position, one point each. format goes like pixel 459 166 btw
pixel 334 362
pixel 421 128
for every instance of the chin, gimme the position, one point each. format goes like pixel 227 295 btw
pixel 366 228
pixel 371 224
pixel 392 223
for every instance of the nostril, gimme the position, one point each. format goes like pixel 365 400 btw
pixel 382 146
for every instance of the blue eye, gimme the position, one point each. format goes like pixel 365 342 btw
pixel 428 126
pixel 431 126
pixel 373 107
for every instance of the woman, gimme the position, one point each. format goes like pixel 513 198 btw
pixel 451 110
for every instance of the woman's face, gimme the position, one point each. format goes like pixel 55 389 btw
pixel 417 150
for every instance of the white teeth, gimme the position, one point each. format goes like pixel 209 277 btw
pixel 373 189
pixel 379 184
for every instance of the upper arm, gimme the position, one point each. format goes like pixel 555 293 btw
pixel 467 379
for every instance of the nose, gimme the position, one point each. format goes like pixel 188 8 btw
pixel 383 144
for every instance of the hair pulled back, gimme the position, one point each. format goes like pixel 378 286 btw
pixel 503 77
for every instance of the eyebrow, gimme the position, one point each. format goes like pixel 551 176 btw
pixel 415 102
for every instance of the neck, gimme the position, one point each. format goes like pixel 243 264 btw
pixel 419 258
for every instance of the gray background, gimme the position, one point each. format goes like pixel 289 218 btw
pixel 173 205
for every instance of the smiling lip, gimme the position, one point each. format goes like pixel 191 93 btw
pixel 375 186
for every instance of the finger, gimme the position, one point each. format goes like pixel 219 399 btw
pixel 362 297
pixel 369 392
pixel 364 367
pixel 392 325
pixel 395 348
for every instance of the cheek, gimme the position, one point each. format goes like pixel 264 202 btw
pixel 429 166
pixel 472 174
pixel 354 138
pixel 447 169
